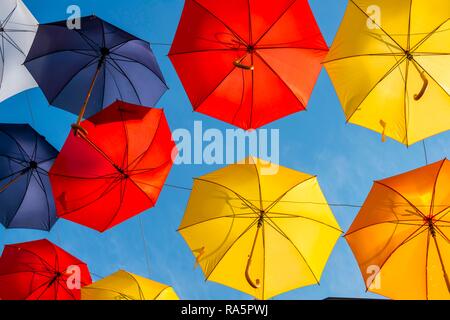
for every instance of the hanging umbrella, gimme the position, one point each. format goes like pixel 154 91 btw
pixel 17 31
pixel 260 233
pixel 389 64
pixel 400 237
pixel 114 171
pixel 40 270
pixel 87 69
pixel 248 63
pixel 124 285
pixel 25 192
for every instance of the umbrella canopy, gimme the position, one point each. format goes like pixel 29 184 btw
pixel 248 63
pixel 124 285
pixel 40 270
pixel 91 67
pixel 400 238
pixel 25 192
pixel 263 234
pixel 389 64
pixel 116 170
pixel 17 31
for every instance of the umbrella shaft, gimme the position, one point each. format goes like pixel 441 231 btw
pixel 9 183
pixel 102 153
pixel 256 284
pixel 88 96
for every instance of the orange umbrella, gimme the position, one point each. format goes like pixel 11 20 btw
pixel 400 238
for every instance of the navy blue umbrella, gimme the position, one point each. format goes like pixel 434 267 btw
pixel 26 199
pixel 85 70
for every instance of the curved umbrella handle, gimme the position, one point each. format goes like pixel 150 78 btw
pixel 201 252
pixel 418 96
pixel 257 282
pixel 383 134
pixel 237 63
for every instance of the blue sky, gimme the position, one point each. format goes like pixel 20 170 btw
pixel 346 159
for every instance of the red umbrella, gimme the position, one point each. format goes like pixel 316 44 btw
pixel 248 62
pixel 114 168
pixel 40 270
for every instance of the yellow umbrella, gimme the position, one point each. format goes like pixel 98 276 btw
pixel 260 230
pixel 124 285
pixel 390 66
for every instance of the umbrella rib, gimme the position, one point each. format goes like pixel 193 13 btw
pixel 426 264
pixel 138 159
pixel 19 146
pixel 408 44
pixel 406 100
pixel 117 67
pixel 368 17
pixel 11 175
pixel 35 148
pixel 250 36
pixel 123 295
pixel 259 182
pixel 433 195
pixel 293 216
pixel 2 52
pixel 440 219
pixel 231 246
pixel 146 195
pixel 19 204
pixel 140 63
pixel 122 196
pixel 8 17
pixel 275 22
pixel 441 262
pixel 103 34
pixel 285 46
pixel 18 30
pixel 59 285
pixel 46 283
pixel 429 35
pixel 12 42
pixel 221 21
pixel 409 238
pixel 146 170
pixel 113 77
pixel 197 105
pixel 160 293
pixel 44 263
pixel 234 215
pixel 202 51
pixel 77 51
pixel 284 83
pixel 271 223
pixel 400 222
pixel 273 204
pixel 252 88
pixel 46 200
pixel 107 190
pixel 13 159
pixel 395 66
pixel 91 43
pixel 438 84
pixel 71 78
pixel 141 294
pixel 249 204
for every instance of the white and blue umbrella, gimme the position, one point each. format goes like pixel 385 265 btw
pixel 17 30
